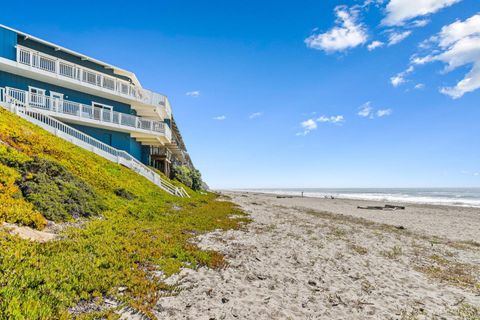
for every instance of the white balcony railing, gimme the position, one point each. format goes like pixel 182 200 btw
pixel 85 141
pixel 45 62
pixel 90 113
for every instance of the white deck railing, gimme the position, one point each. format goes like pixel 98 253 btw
pixel 90 113
pixel 51 64
pixel 87 142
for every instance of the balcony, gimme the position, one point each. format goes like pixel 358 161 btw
pixel 144 130
pixel 161 152
pixel 63 69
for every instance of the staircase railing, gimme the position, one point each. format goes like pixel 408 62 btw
pixel 87 142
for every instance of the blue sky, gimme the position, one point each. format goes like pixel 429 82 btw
pixel 297 93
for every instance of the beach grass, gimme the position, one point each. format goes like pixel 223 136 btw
pixel 427 258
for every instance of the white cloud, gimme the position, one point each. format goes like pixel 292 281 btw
pixel 366 110
pixel 397 80
pixel 400 77
pixel 420 23
pixel 457 45
pixel 307 125
pixel 374 45
pixel 384 112
pixel 400 11
pixel 348 33
pixel 255 115
pixel 194 94
pixel 419 86
pixel 396 37
pixel 311 124
pixel 331 119
pixel 220 118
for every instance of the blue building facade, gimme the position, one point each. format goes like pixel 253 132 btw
pixel 101 100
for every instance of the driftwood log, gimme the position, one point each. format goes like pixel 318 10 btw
pixel 386 207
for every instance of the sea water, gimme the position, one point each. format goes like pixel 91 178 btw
pixel 467 197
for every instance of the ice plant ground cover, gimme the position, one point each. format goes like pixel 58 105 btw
pixel 117 230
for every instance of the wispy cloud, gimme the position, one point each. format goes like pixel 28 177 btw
pixel 348 33
pixel 374 45
pixel 419 86
pixel 331 119
pixel 193 94
pixel 312 124
pixel 400 77
pixel 367 111
pixel 420 23
pixel 397 80
pixel 470 173
pixel 384 112
pixel 395 37
pixel 220 118
pixel 457 45
pixel 400 11
pixel 307 125
pixel 255 115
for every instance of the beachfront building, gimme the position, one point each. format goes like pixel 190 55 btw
pixel 100 100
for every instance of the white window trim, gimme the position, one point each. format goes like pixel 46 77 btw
pixel 52 93
pixel 105 106
pixel 38 90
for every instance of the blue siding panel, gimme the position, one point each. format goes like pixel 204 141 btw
pixel 8 41
pixel 22 83
pixel 118 140
pixel 145 155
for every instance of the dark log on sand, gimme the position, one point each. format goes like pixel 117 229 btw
pixel 386 207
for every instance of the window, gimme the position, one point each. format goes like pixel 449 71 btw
pixel 56 95
pixel 102 112
pixel 37 97
pixel 101 106
pixel 37 91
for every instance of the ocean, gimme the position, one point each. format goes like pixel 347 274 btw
pixel 466 197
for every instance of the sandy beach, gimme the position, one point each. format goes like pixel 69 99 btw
pixel 308 258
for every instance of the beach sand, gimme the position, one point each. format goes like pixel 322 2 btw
pixel 307 258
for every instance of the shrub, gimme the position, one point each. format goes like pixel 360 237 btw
pixel 124 193
pixel 13 208
pixel 196 179
pixel 189 177
pixel 182 174
pixel 57 193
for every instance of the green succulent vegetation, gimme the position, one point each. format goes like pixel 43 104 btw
pixel 189 177
pixel 130 229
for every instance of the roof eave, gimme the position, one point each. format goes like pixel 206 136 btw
pixel 115 69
